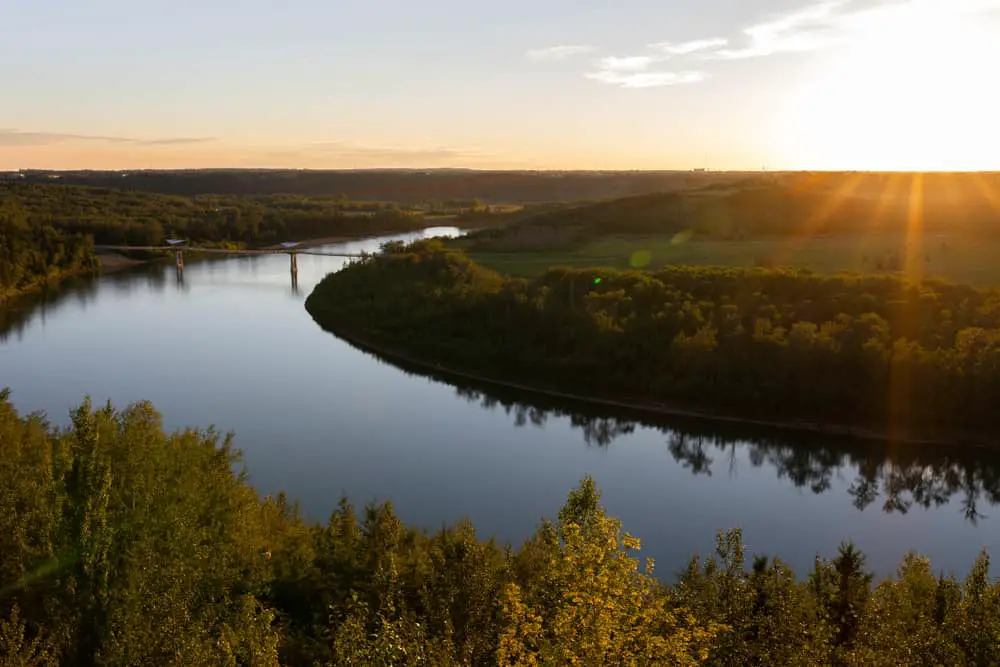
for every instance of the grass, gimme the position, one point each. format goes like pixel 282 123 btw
pixel 951 257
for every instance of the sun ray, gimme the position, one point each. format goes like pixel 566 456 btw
pixel 906 316
pixel 818 218
pixel 990 194
pixel 888 198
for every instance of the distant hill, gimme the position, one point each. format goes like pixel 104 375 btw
pixel 402 186
pixel 792 204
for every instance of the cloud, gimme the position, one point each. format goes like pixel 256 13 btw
pixel 10 137
pixel 807 29
pixel 827 23
pixel 348 151
pixel 654 79
pixel 176 141
pixel 20 138
pixel 634 72
pixel 687 48
pixel 626 63
pixel 561 52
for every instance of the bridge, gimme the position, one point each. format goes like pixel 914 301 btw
pixel 179 247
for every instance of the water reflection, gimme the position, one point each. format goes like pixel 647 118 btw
pixel 897 479
pixel 19 313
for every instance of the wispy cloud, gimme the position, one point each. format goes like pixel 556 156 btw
pixel 21 138
pixel 626 63
pixel 654 79
pixel 11 137
pixel 817 25
pixel 807 29
pixel 349 151
pixel 687 48
pixel 635 72
pixel 827 23
pixel 176 141
pixel 560 52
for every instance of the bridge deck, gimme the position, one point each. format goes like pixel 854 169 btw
pixel 226 251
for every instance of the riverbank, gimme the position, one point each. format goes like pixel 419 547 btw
pixel 659 409
pixel 834 354
pixel 48 281
pixel 115 261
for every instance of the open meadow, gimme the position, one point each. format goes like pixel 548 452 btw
pixel 952 257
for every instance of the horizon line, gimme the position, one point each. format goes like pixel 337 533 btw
pixel 537 170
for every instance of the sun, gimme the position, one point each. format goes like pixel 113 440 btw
pixel 911 89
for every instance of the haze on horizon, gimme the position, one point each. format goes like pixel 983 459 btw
pixel 548 84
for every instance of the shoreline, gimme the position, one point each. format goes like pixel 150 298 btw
pixel 49 281
pixel 660 409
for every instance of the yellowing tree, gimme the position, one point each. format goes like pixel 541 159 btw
pixel 597 606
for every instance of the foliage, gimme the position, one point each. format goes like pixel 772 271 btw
pixel 862 351
pixel 445 189
pixel 122 217
pixel 122 544
pixel 31 254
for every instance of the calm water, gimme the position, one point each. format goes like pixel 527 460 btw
pixel 232 346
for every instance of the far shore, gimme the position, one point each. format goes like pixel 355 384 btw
pixel 113 261
pixel 324 240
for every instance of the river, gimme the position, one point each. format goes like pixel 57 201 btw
pixel 231 345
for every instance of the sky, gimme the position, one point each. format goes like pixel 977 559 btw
pixel 519 84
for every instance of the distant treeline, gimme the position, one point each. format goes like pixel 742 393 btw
pixel 919 360
pixel 403 186
pixel 123 545
pixel 119 217
pixel 48 229
pixel 790 205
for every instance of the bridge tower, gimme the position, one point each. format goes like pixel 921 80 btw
pixel 178 254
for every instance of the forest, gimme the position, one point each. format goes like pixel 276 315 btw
pixel 33 253
pixel 405 186
pixel 913 361
pixel 49 229
pixel 124 544
pixel 114 216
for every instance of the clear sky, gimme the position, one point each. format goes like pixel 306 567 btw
pixel 563 84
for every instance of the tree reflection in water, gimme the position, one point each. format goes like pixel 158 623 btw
pixel 900 478
pixel 19 313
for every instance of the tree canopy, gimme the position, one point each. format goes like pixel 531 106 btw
pixel 914 360
pixel 123 544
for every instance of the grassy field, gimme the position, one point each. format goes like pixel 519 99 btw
pixel 950 257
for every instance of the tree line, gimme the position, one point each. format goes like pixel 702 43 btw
pixel 114 216
pixel 123 544
pixel 48 229
pixel 918 360
pixel 407 186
